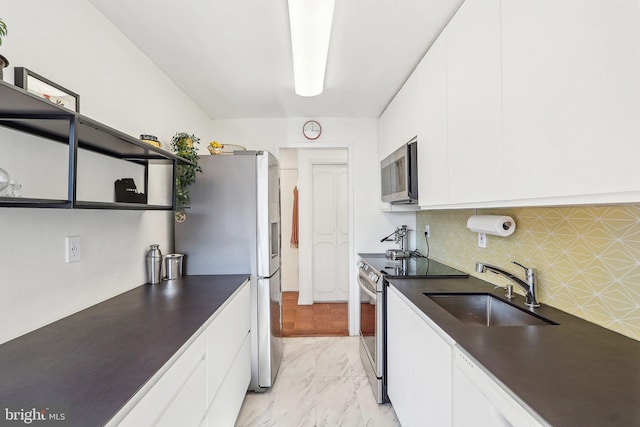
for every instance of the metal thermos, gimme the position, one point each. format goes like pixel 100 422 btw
pixel 154 264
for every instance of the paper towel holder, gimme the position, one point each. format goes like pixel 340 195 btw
pixel 498 225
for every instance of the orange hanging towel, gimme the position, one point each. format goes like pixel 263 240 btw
pixel 294 220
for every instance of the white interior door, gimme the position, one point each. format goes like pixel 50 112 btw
pixel 330 238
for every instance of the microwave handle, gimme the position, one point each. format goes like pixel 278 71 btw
pixel 412 168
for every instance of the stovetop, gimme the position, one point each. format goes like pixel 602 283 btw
pixel 417 268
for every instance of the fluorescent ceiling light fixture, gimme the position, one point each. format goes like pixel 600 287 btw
pixel 310 22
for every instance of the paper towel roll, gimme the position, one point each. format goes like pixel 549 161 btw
pixel 498 225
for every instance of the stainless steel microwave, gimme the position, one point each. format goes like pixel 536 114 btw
pixel 399 173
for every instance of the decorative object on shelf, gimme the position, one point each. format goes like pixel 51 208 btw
pixel 216 148
pixel 5 179
pixel 9 187
pixel 4 62
pixel 13 190
pixel 151 139
pixel 127 192
pixel 183 145
pixel 44 88
pixel 311 130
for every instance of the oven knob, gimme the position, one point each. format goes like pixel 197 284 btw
pixel 373 277
pixel 360 264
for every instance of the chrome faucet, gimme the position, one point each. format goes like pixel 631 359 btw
pixel 399 236
pixel 529 286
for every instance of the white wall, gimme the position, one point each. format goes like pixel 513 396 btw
pixel 72 44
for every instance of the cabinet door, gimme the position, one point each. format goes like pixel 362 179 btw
pixel 226 406
pixel 398 122
pixel 571 97
pixel 433 159
pixel 474 102
pixel 431 370
pixel 225 336
pixel 399 345
pixel 418 366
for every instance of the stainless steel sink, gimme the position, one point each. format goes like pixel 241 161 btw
pixel 484 309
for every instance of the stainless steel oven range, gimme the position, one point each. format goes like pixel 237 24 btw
pixel 371 327
pixel 373 272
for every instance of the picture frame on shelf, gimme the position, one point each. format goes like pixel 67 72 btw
pixel 46 89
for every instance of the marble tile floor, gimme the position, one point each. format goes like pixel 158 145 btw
pixel 321 383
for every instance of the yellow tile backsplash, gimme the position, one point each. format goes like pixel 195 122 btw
pixel 587 258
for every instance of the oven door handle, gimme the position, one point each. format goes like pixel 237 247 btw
pixel 366 289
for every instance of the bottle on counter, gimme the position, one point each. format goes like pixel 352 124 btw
pixel 154 264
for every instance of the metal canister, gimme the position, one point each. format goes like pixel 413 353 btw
pixel 173 266
pixel 154 264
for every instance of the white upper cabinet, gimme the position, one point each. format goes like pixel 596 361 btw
pixel 571 86
pixel 431 112
pixel 474 102
pixel 523 103
pixel 397 125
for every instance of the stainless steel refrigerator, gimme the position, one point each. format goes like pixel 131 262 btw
pixel 233 227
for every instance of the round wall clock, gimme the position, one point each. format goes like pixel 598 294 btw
pixel 312 130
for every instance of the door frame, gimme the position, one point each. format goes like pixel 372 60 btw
pixel 305 246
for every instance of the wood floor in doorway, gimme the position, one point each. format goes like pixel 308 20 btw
pixel 316 320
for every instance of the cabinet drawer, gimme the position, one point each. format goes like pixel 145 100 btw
pixel 180 377
pixel 226 406
pixel 190 403
pixel 225 336
pixel 479 400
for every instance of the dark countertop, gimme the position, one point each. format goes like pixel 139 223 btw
pixel 572 374
pixel 421 267
pixel 88 365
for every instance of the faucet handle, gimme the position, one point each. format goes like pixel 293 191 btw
pixel 526 269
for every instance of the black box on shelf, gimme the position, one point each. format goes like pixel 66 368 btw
pixel 127 192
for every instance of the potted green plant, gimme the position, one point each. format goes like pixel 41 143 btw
pixel 184 145
pixel 3 33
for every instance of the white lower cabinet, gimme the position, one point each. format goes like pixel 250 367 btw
pixel 479 401
pixel 205 384
pixel 187 406
pixel 183 382
pixel 228 401
pixel 419 367
pixel 432 382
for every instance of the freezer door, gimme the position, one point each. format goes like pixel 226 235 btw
pixel 269 329
pixel 268 210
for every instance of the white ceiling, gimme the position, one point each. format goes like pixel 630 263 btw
pixel 233 57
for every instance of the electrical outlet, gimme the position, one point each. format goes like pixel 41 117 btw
pixel 482 240
pixel 74 249
pixel 427 231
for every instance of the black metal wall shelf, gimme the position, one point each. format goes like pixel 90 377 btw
pixel 30 114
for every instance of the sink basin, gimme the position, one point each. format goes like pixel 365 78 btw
pixel 484 309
